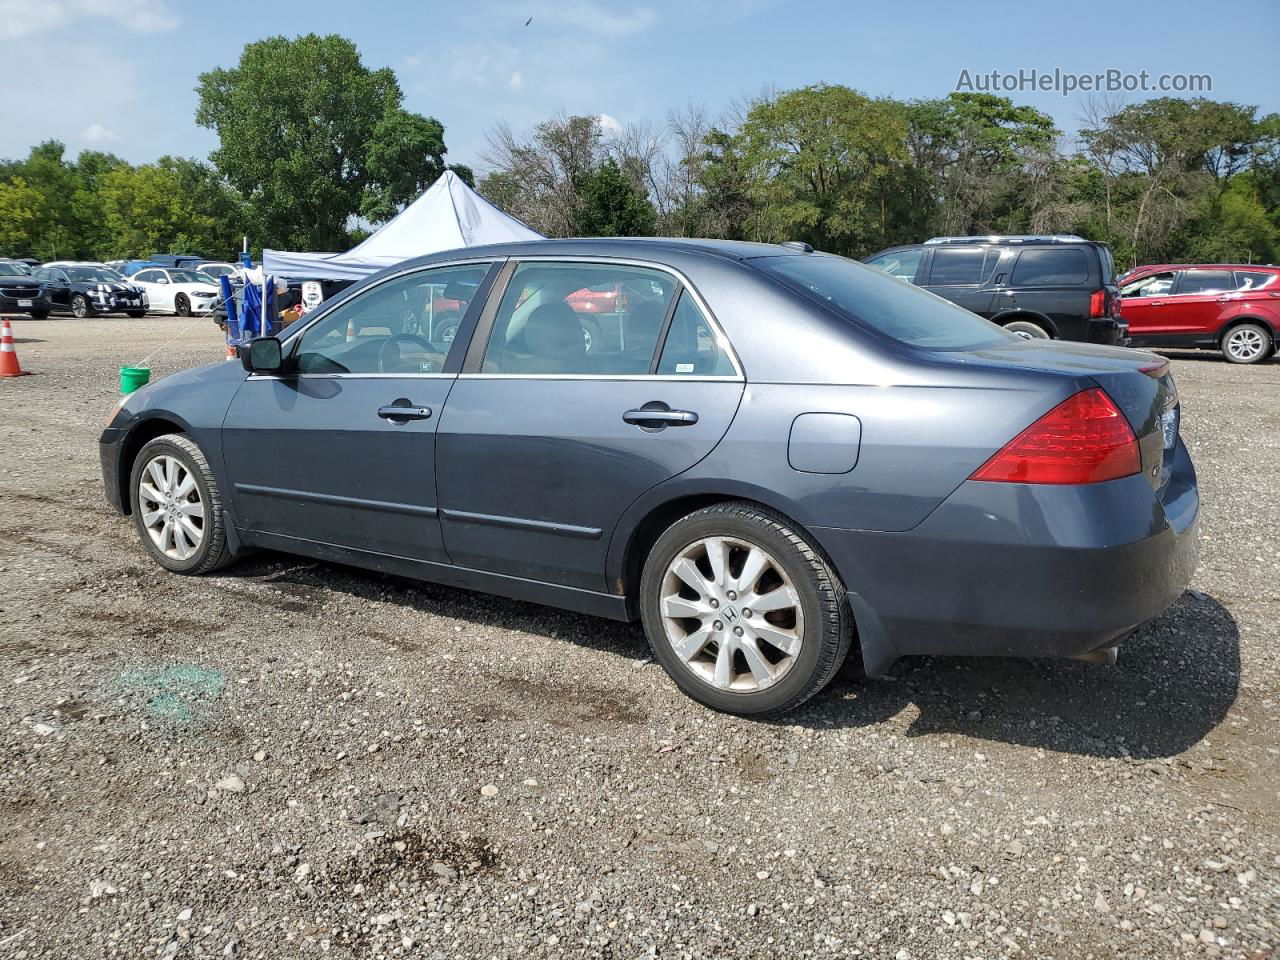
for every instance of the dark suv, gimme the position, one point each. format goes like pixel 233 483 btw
pixel 1058 286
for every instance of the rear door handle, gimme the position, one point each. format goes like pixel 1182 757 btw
pixel 397 412
pixel 656 416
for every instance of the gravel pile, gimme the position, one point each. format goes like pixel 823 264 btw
pixel 299 759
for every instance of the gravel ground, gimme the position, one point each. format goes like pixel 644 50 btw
pixel 293 758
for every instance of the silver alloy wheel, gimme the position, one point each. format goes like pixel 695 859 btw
pixel 172 511
pixel 1245 343
pixel 731 614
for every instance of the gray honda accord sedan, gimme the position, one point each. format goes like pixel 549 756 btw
pixel 762 452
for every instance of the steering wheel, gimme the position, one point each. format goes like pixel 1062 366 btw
pixel 393 363
pixel 408 320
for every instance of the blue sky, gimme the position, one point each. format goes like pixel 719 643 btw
pixel 119 74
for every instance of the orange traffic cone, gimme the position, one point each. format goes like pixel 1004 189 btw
pixel 8 355
pixel 351 330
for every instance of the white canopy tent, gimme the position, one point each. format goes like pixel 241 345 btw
pixel 447 216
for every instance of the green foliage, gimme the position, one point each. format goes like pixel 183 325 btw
pixel 825 162
pixel 172 206
pixel 612 206
pixel 311 138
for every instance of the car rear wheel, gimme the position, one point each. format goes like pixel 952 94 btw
pixel 177 508
pixel 81 307
pixel 742 611
pixel 181 305
pixel 1028 330
pixel 39 314
pixel 136 314
pixel 1247 343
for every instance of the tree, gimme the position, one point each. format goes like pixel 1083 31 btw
pixel 825 162
pixel 19 225
pixel 311 138
pixel 173 205
pixel 538 178
pixel 612 206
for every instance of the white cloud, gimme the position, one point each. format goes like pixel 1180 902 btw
pixel 24 18
pixel 609 124
pixel 97 133
pixel 516 81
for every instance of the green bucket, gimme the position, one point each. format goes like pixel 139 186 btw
pixel 131 378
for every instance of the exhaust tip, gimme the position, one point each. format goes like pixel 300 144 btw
pixel 1104 655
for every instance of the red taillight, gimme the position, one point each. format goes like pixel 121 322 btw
pixel 1084 439
pixel 1098 303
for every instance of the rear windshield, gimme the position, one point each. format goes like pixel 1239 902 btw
pixel 890 306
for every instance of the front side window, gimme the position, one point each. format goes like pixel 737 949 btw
pixel 579 318
pixel 870 298
pixel 1206 281
pixel 899 263
pixel 954 267
pixel 1152 285
pixel 1053 266
pixel 94 275
pixel 405 325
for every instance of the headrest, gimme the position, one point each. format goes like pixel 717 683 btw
pixel 553 330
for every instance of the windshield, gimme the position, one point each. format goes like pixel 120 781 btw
pixel 187 276
pixel 100 274
pixel 217 269
pixel 890 306
pixel 14 269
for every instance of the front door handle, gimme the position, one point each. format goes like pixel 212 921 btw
pixel 658 416
pixel 403 412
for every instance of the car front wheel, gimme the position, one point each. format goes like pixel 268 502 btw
pixel 177 508
pixel 81 307
pixel 1247 343
pixel 182 306
pixel 742 611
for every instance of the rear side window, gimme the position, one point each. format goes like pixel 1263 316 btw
pixel 1253 279
pixel 899 263
pixel 1052 266
pixel 879 302
pixel 579 318
pixel 951 266
pixel 692 347
pixel 1206 281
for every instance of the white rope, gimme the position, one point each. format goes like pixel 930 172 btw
pixel 181 331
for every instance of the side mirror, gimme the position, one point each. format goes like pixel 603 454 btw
pixel 262 355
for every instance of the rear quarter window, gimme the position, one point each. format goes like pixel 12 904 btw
pixel 1051 267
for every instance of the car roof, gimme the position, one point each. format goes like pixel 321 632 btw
pixel 641 247
pixel 74 263
pixel 1158 267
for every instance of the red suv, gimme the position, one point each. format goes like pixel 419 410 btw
pixel 1215 306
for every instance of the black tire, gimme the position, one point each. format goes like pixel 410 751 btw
pixel 39 314
pixel 136 314
pixel 827 630
pixel 81 307
pixel 213 551
pixel 181 305
pixel 1247 343
pixel 1028 329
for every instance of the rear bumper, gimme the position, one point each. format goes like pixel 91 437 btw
pixel 1111 331
pixel 1022 570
